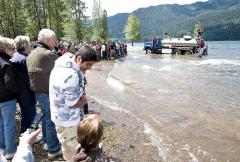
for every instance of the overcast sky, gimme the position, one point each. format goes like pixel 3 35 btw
pixel 120 6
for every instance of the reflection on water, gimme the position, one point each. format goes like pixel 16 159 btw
pixel 190 106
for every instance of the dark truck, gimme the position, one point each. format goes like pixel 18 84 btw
pixel 179 46
pixel 157 48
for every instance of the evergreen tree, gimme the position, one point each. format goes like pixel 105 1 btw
pixel 78 20
pixel 12 18
pixel 96 17
pixel 132 28
pixel 198 29
pixel 27 17
pixel 45 14
pixel 104 32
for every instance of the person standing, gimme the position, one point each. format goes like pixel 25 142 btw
pixel 40 64
pixel 104 51
pixel 9 88
pixel 26 98
pixel 67 96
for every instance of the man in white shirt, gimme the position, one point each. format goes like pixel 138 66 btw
pixel 103 51
pixel 67 96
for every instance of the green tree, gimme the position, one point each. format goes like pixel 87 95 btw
pixel 96 17
pixel 88 35
pixel 27 17
pixel 104 31
pixel 100 31
pixel 78 19
pixel 12 18
pixel 35 17
pixel 198 29
pixel 132 29
pixel 45 14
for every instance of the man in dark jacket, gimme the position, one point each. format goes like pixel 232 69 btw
pixel 9 89
pixel 40 64
pixel 26 98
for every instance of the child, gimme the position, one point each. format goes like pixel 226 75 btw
pixel 89 136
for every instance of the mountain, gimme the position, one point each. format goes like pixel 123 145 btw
pixel 116 25
pixel 220 19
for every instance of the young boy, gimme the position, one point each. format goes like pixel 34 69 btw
pixel 89 136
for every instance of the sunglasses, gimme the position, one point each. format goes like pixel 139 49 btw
pixel 12 48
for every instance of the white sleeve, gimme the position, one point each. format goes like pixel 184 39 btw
pixel 23 154
pixel 73 89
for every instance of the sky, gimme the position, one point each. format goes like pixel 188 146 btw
pixel 126 6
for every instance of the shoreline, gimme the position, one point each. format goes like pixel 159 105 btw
pixel 124 137
pixel 135 49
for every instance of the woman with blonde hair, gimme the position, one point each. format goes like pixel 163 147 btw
pixel 9 89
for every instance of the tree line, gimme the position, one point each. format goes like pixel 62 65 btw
pixel 66 18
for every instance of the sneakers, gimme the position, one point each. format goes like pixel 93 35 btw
pixel 9 156
pixel 53 155
pixel 45 147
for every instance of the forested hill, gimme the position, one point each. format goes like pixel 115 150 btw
pixel 220 19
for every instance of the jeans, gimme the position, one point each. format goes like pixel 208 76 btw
pixel 27 103
pixel 8 126
pixel 48 126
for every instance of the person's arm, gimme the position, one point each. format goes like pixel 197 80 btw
pixel 24 150
pixel 23 154
pixel 81 102
pixel 75 96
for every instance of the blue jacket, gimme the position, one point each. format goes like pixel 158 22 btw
pixel 19 61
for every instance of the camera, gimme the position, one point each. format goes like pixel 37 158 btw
pixel 35 123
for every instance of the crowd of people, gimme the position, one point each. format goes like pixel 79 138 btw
pixel 104 50
pixel 55 79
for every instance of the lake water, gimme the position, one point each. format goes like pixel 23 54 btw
pixel 190 106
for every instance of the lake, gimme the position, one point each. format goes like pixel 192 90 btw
pixel 190 106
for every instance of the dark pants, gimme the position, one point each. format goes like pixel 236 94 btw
pixel 85 109
pixel 104 54
pixel 27 103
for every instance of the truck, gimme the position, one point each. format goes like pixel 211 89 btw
pixel 151 47
pixel 178 46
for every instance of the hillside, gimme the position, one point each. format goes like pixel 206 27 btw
pixel 220 18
